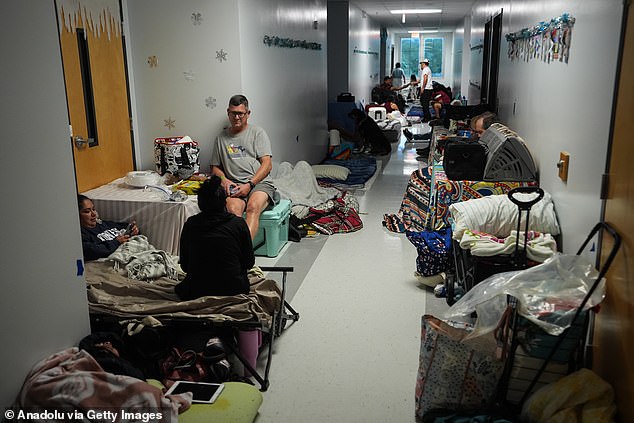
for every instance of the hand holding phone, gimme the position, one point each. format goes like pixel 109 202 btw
pixel 128 229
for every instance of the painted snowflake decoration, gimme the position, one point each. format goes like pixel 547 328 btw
pixel 221 55
pixel 169 123
pixel 197 18
pixel 210 102
pixel 152 61
pixel 189 75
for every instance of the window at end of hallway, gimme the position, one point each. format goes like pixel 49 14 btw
pixel 433 51
pixel 410 48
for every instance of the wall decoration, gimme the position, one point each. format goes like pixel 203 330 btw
pixel 210 102
pixel 221 55
pixel 546 41
pixel 169 123
pixel 98 16
pixel 275 41
pixel 197 18
pixel 152 61
pixel 189 75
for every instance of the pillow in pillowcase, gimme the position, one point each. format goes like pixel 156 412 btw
pixel 497 215
pixel 331 171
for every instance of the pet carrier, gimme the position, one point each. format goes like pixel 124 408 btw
pixel 508 157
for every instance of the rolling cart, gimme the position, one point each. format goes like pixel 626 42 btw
pixel 534 358
pixel 470 269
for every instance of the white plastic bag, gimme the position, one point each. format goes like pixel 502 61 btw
pixel 548 295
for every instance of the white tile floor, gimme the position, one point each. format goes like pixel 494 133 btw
pixel 353 355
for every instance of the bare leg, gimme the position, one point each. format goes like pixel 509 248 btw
pixel 256 205
pixel 236 206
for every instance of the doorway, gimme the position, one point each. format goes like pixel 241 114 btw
pixel 96 91
pixel 491 62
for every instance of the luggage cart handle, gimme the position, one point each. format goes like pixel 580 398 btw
pixel 526 205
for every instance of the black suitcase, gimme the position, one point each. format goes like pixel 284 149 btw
pixel 345 98
pixel 464 160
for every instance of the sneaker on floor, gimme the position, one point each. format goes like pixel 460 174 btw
pixel 440 291
pixel 408 134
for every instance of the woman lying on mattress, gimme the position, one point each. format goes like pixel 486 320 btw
pixel 100 238
pixel 216 251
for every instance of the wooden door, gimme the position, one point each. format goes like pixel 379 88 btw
pixel 96 90
pixel 614 336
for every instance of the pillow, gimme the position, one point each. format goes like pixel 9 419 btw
pixel 497 215
pixel 331 171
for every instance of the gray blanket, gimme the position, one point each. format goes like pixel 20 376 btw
pixel 112 293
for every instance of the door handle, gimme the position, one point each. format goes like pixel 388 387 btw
pixel 80 142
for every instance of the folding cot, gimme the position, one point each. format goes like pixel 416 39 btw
pixel 115 300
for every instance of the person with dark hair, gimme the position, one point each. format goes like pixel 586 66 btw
pixel 482 122
pixel 100 238
pixel 242 158
pixel 369 133
pixel 216 250
pixel 398 76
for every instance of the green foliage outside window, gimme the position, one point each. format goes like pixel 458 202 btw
pixel 433 52
pixel 410 48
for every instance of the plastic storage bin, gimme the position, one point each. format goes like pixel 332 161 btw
pixel 273 231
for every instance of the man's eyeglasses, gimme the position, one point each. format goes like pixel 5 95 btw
pixel 238 115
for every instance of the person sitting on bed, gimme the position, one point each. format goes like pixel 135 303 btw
pixel 100 238
pixel 216 252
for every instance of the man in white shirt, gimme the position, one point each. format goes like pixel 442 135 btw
pixel 426 89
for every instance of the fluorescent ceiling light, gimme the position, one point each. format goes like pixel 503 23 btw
pixel 424 31
pixel 414 11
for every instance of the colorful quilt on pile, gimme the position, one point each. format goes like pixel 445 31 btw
pixel 427 209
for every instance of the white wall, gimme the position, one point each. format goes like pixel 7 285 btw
pixel 286 87
pixel 43 306
pixel 365 38
pixel 165 29
pixel 563 107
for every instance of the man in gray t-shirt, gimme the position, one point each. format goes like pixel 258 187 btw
pixel 241 157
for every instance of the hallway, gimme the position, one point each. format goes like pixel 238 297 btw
pixel 353 355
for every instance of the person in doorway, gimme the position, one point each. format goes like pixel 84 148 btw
pixel 100 238
pixel 398 76
pixel 426 89
pixel 482 122
pixel 216 252
pixel 242 159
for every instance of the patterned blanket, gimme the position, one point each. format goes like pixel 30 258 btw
pixel 413 212
pixel 71 385
pixel 143 261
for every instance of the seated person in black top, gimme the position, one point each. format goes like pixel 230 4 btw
pixel 369 133
pixel 100 238
pixel 216 250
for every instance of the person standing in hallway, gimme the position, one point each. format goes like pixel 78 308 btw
pixel 426 89
pixel 398 76
pixel 242 159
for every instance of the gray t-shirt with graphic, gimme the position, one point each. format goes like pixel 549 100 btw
pixel 238 154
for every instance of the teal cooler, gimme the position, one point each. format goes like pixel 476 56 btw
pixel 273 231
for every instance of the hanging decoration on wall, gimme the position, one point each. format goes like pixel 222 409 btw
pixel 169 123
pixel 97 16
pixel 210 102
pixel 189 75
pixel 275 41
pixel 197 18
pixel 546 41
pixel 221 55
pixel 152 61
